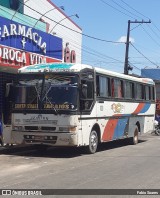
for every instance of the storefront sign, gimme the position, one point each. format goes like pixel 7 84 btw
pixel 69 56
pixel 18 58
pixel 25 45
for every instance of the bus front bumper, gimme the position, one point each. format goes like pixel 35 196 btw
pixel 52 139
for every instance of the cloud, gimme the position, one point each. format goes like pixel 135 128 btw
pixel 124 39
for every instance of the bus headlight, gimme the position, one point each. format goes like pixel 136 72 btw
pixel 68 129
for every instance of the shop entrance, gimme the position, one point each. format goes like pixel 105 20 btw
pixel 6 100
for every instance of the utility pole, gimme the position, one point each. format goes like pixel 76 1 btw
pixel 126 64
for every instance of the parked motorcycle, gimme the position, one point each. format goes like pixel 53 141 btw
pixel 157 127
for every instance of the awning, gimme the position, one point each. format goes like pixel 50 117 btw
pixel 12 70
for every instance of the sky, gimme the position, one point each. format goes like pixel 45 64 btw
pixel 107 20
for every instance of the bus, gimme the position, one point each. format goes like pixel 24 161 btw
pixel 69 104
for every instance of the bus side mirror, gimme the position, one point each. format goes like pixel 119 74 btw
pixel 8 88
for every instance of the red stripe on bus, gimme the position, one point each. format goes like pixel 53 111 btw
pixel 109 130
pixel 139 108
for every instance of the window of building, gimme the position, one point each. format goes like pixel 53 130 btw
pixel 14 4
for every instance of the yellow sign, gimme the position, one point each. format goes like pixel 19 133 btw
pixel 26 106
pixel 46 106
pixel 56 106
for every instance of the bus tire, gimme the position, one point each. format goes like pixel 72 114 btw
pixel 135 137
pixel 93 142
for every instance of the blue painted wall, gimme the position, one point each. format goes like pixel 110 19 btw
pixel 53 43
pixel 151 73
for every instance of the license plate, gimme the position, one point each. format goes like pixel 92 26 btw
pixel 39 138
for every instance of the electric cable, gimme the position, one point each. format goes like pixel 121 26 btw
pixel 86 35
pixel 144 55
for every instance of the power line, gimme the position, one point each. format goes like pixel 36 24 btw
pixel 132 17
pixel 153 31
pixel 143 16
pixel 147 24
pixel 134 66
pixel 144 55
pixel 86 35
pixel 116 9
pixel 124 8
pixel 81 33
pixel 135 27
pixel 151 37
pixel 134 9
pixel 105 56
pixel 156 27
pixel 93 52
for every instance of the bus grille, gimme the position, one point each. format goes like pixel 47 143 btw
pixel 48 128
pixel 36 128
pixel 42 139
pixel 31 128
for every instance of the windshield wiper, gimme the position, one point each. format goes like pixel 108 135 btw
pixel 56 111
pixel 41 94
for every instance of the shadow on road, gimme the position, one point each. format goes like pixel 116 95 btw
pixel 60 152
pixel 116 144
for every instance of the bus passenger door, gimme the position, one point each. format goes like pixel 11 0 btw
pixel 87 104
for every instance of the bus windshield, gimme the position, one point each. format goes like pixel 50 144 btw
pixel 50 92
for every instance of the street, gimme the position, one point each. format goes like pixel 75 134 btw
pixel 116 165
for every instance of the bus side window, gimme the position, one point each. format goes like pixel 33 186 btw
pixel 103 86
pixel 97 86
pixel 140 92
pixel 120 89
pixel 112 87
pixel 129 90
pixel 117 88
pixel 147 94
pixel 153 93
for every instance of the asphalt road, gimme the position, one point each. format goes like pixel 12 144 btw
pixel 117 165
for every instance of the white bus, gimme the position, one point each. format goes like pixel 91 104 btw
pixel 61 104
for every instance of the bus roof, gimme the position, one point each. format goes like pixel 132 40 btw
pixel 74 67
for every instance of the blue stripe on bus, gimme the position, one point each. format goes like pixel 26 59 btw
pixel 120 128
pixel 145 108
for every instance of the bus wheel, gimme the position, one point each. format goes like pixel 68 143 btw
pixel 93 142
pixel 135 137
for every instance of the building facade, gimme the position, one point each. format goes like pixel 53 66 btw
pixel 31 35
